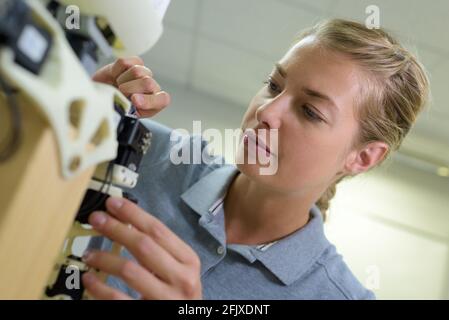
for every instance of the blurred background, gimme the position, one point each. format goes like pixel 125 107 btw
pixel 392 224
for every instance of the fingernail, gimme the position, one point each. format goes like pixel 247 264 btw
pixel 86 256
pixel 163 97
pixel 115 203
pixel 139 99
pixel 97 219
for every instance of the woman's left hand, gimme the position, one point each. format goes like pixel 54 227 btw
pixel 166 267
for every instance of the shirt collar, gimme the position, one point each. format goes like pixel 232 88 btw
pixel 290 257
pixel 203 194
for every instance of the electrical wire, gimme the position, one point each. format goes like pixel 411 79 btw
pixel 92 204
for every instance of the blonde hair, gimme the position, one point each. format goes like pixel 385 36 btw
pixel 395 91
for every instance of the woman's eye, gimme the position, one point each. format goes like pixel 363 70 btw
pixel 308 112
pixel 273 87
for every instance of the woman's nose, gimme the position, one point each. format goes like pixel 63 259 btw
pixel 270 114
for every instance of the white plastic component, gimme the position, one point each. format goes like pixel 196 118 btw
pixel 137 23
pixel 121 176
pixel 79 110
pixel 111 190
pixel 124 177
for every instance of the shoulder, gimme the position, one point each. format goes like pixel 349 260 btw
pixel 340 281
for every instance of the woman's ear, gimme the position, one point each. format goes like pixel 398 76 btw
pixel 368 156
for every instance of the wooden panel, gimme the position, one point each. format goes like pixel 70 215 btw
pixel 37 208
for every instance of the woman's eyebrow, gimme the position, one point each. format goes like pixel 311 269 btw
pixel 280 70
pixel 319 95
pixel 308 91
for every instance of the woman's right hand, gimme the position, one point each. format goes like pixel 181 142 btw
pixel 136 82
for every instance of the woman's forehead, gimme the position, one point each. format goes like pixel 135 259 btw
pixel 307 43
pixel 309 64
pixel 308 49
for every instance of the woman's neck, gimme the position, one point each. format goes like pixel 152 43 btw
pixel 256 215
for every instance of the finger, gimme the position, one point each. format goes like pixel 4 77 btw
pixel 123 64
pixel 135 72
pixel 146 251
pixel 143 85
pixel 129 212
pixel 101 291
pixel 135 276
pixel 146 114
pixel 151 102
pixel 104 75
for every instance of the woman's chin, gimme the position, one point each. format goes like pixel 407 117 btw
pixel 256 171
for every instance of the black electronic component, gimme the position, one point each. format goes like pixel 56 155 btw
pixel 29 41
pixel 134 140
pixel 30 44
pixel 96 201
pixel 93 201
pixel 86 51
pixel 60 285
pixel 82 44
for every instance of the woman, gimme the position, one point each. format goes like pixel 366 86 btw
pixel 341 99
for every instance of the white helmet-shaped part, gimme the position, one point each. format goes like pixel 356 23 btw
pixel 137 23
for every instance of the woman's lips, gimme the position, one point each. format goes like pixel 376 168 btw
pixel 258 142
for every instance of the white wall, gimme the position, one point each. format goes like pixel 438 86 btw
pixel 394 222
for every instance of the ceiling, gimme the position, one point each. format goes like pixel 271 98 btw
pixel 227 48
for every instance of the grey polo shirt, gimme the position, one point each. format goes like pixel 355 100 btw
pixel 188 198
